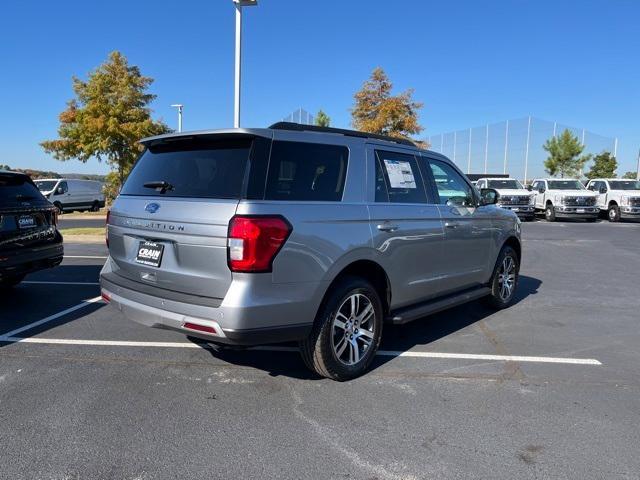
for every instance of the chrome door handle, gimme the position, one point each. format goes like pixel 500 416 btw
pixel 387 227
pixel 450 225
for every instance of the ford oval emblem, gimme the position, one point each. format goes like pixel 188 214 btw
pixel 152 207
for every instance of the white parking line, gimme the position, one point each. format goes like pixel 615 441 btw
pixel 38 282
pixel 382 353
pixel 84 303
pixel 101 257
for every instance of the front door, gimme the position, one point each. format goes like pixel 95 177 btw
pixel 468 228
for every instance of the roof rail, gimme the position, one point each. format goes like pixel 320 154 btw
pixel 342 131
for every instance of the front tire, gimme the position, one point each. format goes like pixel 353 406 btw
pixel 614 213
pixel 550 213
pixel 347 331
pixel 504 281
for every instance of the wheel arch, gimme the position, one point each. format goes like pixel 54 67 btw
pixel 514 243
pixel 612 203
pixel 370 271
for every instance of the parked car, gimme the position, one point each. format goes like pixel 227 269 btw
pixel 253 236
pixel 29 238
pixel 564 198
pixel 512 196
pixel 70 194
pixel 619 198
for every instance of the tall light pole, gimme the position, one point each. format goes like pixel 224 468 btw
pixel 236 97
pixel 179 106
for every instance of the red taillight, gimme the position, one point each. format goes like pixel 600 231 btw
pixel 106 228
pixel 255 241
pixel 200 328
pixel 105 296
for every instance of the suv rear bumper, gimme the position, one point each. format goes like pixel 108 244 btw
pixel 254 320
pixel 31 259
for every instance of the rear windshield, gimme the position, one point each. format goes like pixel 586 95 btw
pixel 15 188
pixel 194 168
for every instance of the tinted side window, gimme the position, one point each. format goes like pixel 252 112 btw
pixel 452 188
pixel 398 178
pixel 306 172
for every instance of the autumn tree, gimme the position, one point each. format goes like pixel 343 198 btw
pixel 565 155
pixel 322 119
pixel 376 110
pixel 604 166
pixel 108 116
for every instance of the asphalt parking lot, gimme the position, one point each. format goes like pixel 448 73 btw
pixel 549 388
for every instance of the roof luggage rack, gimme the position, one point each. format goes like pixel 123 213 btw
pixel 298 127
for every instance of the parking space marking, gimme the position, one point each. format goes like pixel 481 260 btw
pixel 83 304
pixel 38 282
pixel 101 257
pixel 382 353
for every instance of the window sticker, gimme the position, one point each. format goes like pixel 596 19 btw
pixel 400 174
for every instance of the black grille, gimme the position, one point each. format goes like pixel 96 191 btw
pixel 634 202
pixel 580 201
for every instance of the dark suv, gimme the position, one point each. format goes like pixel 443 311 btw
pixel 29 239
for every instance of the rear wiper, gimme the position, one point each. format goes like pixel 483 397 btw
pixel 162 186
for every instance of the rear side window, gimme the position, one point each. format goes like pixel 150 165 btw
pixel 306 172
pixel 195 168
pixel 15 188
pixel 398 178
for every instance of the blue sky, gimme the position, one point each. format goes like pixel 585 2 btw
pixel 470 62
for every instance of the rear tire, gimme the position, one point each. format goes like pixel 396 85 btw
pixel 504 280
pixel 614 213
pixel 338 347
pixel 95 207
pixel 10 282
pixel 550 213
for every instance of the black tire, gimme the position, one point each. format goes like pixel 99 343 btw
pixel 614 213
pixel 95 207
pixel 10 282
pixel 58 205
pixel 550 213
pixel 497 299
pixel 319 349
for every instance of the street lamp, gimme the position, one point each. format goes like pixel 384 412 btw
pixel 236 98
pixel 179 107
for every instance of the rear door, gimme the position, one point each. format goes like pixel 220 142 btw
pixel 168 227
pixel 468 228
pixel 405 225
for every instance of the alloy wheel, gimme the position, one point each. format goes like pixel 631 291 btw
pixel 507 278
pixel 353 329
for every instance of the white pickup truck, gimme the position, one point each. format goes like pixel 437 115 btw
pixel 512 195
pixel 619 198
pixel 564 198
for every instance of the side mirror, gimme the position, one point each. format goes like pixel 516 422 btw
pixel 541 190
pixel 603 189
pixel 59 191
pixel 530 188
pixel 488 196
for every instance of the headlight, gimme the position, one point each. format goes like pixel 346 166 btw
pixel 624 200
pixel 559 198
pixel 532 199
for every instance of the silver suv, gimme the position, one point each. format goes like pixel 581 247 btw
pixel 300 233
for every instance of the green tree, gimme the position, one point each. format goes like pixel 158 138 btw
pixel 565 155
pixel 630 175
pixel 376 110
pixel 107 117
pixel 322 119
pixel 604 166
